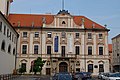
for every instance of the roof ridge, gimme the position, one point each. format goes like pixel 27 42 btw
pixel 28 14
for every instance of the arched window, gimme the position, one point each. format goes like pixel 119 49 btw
pixel 14 51
pixel 3 45
pixel 9 48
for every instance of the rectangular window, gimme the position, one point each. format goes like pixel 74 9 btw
pixel 49 34
pixel 63 35
pixel 24 49
pixel 100 36
pixel 7 32
pixel 0 26
pixel 4 30
pixel 101 68
pixel 24 34
pixel 63 51
pixel 23 66
pixel 36 34
pixel 77 50
pixel 100 50
pixel 10 36
pixel 89 35
pixel 89 50
pixel 77 35
pixel 48 49
pixel 90 68
pixel 35 49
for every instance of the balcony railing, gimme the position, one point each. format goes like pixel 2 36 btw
pixel 66 55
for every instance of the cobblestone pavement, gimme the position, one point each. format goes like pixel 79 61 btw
pixel 33 77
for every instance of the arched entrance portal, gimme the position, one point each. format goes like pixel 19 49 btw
pixel 63 67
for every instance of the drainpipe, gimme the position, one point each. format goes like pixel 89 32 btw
pixel 84 49
pixel 15 70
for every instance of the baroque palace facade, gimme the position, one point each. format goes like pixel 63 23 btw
pixel 65 42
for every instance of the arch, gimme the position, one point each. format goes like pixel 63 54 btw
pixel 9 48
pixel 90 61
pixel 100 61
pixel 63 67
pixel 3 45
pixel 24 60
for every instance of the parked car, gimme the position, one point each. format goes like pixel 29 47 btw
pixel 82 75
pixel 100 75
pixel 106 75
pixel 62 76
pixel 114 76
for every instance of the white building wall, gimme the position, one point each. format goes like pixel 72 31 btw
pixel 7 60
pixel 3 6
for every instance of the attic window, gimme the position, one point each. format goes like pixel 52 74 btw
pixel 63 22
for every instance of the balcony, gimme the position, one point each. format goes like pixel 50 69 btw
pixel 67 55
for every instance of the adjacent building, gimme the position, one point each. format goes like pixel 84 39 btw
pixel 116 53
pixel 8 46
pixel 5 6
pixel 8 40
pixel 110 56
pixel 65 42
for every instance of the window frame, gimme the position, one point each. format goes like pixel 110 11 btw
pixel 24 51
pixel 24 34
pixel 100 51
pixel 9 48
pixel 77 50
pixel 90 70
pixel 0 25
pixel 4 30
pixel 77 35
pixel 89 50
pixel 89 35
pixel 36 34
pixel 36 49
pixel 49 35
pixel 49 49
pixel 101 67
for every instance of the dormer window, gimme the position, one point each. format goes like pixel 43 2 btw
pixel 63 22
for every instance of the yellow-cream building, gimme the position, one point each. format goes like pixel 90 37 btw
pixel 65 42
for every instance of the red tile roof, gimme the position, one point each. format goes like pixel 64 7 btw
pixel 87 22
pixel 26 20
pixel 110 47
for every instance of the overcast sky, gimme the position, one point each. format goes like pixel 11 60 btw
pixel 100 11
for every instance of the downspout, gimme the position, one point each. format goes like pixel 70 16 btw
pixel 15 70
